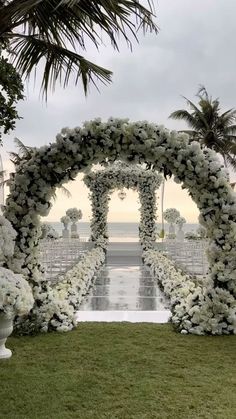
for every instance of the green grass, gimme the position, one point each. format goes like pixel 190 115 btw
pixel 120 371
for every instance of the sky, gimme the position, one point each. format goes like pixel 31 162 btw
pixel 193 47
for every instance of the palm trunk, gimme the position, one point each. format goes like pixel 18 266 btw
pixel 162 235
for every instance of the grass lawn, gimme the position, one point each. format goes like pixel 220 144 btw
pixel 119 370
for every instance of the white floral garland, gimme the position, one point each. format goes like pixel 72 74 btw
pixel 57 305
pixel 7 239
pixel 102 182
pixel 200 172
pixel 197 307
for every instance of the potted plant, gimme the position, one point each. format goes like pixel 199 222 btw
pixel 16 297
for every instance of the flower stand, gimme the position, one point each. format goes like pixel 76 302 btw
pixel 171 228
pixel 74 234
pixel 65 233
pixel 6 328
pixel 180 234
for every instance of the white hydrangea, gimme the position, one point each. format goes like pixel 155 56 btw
pixel 7 239
pixel 16 298
pixel 74 214
pixel 171 214
pixel 180 221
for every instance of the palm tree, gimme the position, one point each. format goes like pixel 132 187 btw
pixel 54 32
pixel 209 126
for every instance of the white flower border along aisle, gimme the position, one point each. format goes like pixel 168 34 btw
pixel 103 182
pixel 193 306
pixel 57 305
pixel 200 172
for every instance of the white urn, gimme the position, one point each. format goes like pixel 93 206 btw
pixel 6 328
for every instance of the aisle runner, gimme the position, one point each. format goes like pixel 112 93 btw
pixel 124 290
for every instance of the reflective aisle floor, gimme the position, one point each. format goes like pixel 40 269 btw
pixel 125 292
pixel 125 288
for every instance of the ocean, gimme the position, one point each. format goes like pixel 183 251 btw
pixel 118 231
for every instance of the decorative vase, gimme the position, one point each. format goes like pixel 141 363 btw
pixel 6 328
pixel 180 234
pixel 65 232
pixel 74 234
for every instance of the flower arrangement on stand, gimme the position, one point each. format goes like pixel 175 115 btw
pixel 65 220
pixel 48 232
pixel 170 215
pixel 16 298
pixel 74 215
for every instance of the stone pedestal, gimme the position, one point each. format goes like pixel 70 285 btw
pixel 6 328
pixel 74 233
pixel 180 234
pixel 65 233
pixel 171 228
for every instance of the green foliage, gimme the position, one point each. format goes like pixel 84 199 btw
pixel 54 33
pixel 11 91
pixel 119 371
pixel 209 126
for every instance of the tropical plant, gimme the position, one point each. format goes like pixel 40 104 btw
pixel 54 32
pixel 11 91
pixel 209 126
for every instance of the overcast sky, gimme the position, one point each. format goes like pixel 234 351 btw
pixel 195 46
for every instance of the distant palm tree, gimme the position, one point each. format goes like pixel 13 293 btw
pixel 209 126
pixel 54 32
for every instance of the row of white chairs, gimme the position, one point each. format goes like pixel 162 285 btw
pixel 190 255
pixel 58 256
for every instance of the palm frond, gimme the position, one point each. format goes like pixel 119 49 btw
pixel 59 62
pixel 65 191
pixel 186 116
pixel 197 111
pixel 53 30
pixel 23 149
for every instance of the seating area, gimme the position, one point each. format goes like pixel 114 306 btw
pixel 58 256
pixel 189 255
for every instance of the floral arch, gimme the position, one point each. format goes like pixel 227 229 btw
pixel 200 172
pixel 118 175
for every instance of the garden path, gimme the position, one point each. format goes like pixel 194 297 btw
pixel 124 290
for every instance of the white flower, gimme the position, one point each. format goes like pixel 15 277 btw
pixel 171 214
pixel 16 297
pixel 98 142
pixel 74 214
pixel 180 221
pixel 65 220
pixel 7 239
